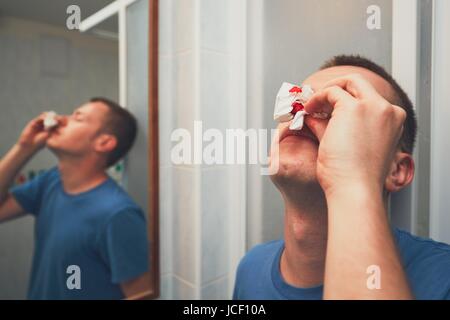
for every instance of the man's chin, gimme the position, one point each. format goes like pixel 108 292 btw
pixel 295 172
pixel 52 145
pixel 297 179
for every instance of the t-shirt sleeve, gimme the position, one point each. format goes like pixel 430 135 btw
pixel 123 245
pixel 29 195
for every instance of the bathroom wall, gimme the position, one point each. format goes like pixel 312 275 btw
pixel 43 67
pixel 198 202
pixel 440 130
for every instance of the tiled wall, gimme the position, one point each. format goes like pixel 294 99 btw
pixel 196 200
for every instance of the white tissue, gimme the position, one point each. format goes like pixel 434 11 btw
pixel 284 104
pixel 297 122
pixel 283 110
pixel 50 120
pixel 306 94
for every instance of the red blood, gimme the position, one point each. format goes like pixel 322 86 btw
pixel 295 90
pixel 296 107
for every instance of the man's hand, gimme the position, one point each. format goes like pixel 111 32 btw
pixel 358 143
pixel 34 136
pixel 356 148
pixel 31 140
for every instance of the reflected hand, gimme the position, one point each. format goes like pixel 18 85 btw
pixel 34 136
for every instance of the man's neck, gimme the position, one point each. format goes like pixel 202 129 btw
pixel 305 233
pixel 80 175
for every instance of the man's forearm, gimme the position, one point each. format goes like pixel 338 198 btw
pixel 10 165
pixel 360 241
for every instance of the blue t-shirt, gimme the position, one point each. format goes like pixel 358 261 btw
pixel 426 262
pixel 101 232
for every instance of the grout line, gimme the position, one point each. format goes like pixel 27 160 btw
pixel 217 279
pixel 175 54
pixel 197 176
pixel 184 281
pixel 218 52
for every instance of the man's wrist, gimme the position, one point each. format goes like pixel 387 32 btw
pixel 343 182
pixel 354 192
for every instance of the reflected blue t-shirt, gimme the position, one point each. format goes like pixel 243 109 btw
pixel 101 232
pixel 426 262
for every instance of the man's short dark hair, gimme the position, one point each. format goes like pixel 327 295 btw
pixel 121 124
pixel 401 99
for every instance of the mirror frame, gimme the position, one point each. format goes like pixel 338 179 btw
pixel 150 283
pixel 153 150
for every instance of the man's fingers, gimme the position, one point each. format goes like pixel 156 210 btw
pixel 43 135
pixel 356 85
pixel 327 99
pixel 38 123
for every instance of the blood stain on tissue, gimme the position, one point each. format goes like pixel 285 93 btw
pixel 295 89
pixel 296 107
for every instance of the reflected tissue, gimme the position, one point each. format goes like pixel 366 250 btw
pixel 50 120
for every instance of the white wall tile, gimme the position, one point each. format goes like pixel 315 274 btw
pixel 166 287
pixel 183 290
pixel 216 290
pixel 214 80
pixel 166 218
pixel 214 218
pixel 184 25
pixel 165 25
pixel 184 226
pixel 184 90
pixel 214 15
pixel 165 108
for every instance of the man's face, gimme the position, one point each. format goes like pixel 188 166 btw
pixel 77 132
pixel 298 150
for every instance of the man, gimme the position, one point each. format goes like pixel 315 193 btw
pixel 335 177
pixel 90 236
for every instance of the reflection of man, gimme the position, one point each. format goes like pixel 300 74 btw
pixel 335 177
pixel 83 218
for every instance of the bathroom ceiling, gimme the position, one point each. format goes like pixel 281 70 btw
pixel 54 11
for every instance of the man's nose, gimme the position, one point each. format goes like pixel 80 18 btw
pixel 62 120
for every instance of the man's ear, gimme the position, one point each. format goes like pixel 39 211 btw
pixel 401 172
pixel 105 143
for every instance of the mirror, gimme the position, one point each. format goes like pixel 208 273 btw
pixel 48 66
